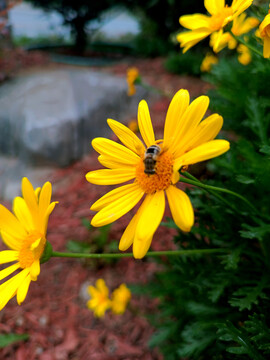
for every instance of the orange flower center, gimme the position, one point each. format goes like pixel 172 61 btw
pixel 161 179
pixel 218 21
pixel 32 249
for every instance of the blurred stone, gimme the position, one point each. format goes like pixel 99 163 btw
pixel 50 117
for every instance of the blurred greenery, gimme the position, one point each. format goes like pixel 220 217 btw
pixel 218 307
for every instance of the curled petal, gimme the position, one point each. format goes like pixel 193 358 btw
pixel 181 208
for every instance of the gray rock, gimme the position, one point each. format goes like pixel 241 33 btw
pixel 50 117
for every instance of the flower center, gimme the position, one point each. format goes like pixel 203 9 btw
pixel 161 179
pixel 218 21
pixel 32 248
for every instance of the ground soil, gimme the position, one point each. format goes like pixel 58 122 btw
pixel 54 313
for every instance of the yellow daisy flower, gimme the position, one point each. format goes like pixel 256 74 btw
pixel 241 25
pixel 264 29
pixel 132 76
pixel 154 168
pixel 202 25
pixel 207 62
pixel 25 234
pixel 99 298
pixel 244 56
pixel 120 299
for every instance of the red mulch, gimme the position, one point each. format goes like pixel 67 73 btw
pixel 54 313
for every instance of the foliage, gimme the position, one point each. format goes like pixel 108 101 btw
pixel 158 20
pixel 8 339
pixel 188 63
pixel 217 307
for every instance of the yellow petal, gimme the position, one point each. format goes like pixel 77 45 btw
pixel 10 287
pixel 30 196
pixel 114 195
pixel 129 233
pixel 111 176
pixel 214 6
pixel 188 39
pixel 118 208
pixel 9 270
pixel 145 124
pixel 35 270
pixel 110 163
pixel 173 121
pixel 115 151
pixel 266 47
pixel 45 219
pixel 23 289
pixel 239 6
pixel 194 21
pixel 127 137
pixel 190 120
pixel 10 224
pixel 23 214
pixel 45 198
pixel 7 256
pixel 148 223
pixel 205 151
pixel 181 208
pixel 11 241
pixel 207 130
pixel 101 286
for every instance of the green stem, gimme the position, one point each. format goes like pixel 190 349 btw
pixel 193 181
pixel 150 253
pixel 246 44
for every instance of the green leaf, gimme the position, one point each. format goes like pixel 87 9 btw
pixel 244 179
pixel 8 339
pixel 265 149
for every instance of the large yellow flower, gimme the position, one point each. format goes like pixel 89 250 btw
pixel 202 26
pixel 265 35
pixel 25 234
pixel 187 140
pixel 99 298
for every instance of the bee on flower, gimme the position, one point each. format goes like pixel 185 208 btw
pixel 187 140
pixel 25 234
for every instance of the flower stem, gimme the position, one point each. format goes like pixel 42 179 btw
pixel 150 253
pixel 252 48
pixel 212 189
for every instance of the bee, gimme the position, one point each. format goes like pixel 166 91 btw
pixel 150 158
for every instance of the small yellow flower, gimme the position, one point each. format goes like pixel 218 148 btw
pixel 202 25
pixel 245 56
pixel 25 234
pixel 207 62
pixel 120 298
pixel 154 168
pixel 241 25
pixel 99 298
pixel 132 76
pixel 264 29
